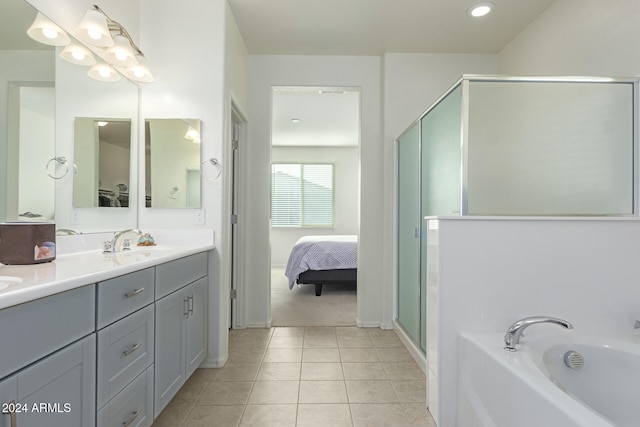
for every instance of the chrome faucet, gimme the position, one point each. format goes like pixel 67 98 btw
pixel 512 337
pixel 120 240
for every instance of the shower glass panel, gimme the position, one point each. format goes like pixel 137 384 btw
pixel 409 232
pixel 550 148
pixel 440 177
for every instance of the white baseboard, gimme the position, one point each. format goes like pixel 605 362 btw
pixel 211 362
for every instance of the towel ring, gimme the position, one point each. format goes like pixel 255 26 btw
pixel 215 165
pixel 59 161
pixel 174 192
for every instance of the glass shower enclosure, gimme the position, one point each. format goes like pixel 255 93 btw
pixel 511 146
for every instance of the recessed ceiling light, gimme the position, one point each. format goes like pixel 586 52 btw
pixel 295 120
pixel 480 9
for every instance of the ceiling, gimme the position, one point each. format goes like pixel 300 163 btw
pixel 373 27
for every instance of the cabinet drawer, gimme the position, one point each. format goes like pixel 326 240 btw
pixel 34 329
pixel 125 349
pixel 123 295
pixel 174 275
pixel 133 407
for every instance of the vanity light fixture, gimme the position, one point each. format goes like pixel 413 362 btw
pixel 45 31
pixel 103 73
pixel 480 9
pixel 98 30
pixel 192 135
pixel 77 54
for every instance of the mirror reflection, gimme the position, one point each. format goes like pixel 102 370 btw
pixel 27 117
pixel 172 163
pixel 102 152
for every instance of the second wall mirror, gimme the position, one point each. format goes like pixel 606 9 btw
pixel 172 163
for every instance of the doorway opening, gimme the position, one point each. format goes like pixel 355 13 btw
pixel 315 205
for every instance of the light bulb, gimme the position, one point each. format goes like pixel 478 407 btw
pixel 138 72
pixel 121 55
pixel 94 33
pixel 49 33
pixel 78 54
pixel 104 72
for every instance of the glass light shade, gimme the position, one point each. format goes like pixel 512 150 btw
pixel 192 135
pixel 121 52
pixel 78 55
pixel 94 29
pixel 44 31
pixel 139 72
pixel 103 73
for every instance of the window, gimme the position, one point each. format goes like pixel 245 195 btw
pixel 302 195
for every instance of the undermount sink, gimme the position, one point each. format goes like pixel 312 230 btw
pixel 6 281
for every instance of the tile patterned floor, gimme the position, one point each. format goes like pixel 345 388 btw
pixel 305 376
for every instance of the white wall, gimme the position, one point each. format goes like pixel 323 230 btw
pixel 578 37
pixel 347 187
pixel 347 71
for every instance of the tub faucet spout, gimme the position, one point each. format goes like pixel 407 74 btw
pixel 512 337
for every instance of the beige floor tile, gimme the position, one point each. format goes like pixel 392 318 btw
pixel 279 371
pixel 403 371
pixel 320 341
pixel 226 393
pixel 323 392
pixel 286 342
pixel 311 355
pixel 363 371
pixel 322 371
pixel 219 416
pixel 351 331
pixel 354 342
pixel 418 415
pixel 274 392
pixel 246 355
pixel 282 355
pixel 174 413
pixel 386 341
pixel 269 416
pixel 324 415
pixel 371 391
pixel 394 354
pixel 382 415
pixel 320 330
pixel 251 342
pixel 377 332
pixel 358 355
pixel 414 391
pixel 236 372
pixel 285 331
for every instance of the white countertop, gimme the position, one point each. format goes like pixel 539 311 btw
pixel 23 283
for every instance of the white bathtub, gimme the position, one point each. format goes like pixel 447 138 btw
pixel 533 387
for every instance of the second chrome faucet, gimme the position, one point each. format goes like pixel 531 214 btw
pixel 512 337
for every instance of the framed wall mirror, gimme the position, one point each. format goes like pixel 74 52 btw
pixel 172 163
pixel 102 153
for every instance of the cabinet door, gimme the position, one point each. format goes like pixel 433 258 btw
pixel 171 314
pixel 196 294
pixel 8 400
pixel 59 391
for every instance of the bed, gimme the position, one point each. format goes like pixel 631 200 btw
pixel 323 260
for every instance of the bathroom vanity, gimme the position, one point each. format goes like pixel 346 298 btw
pixel 97 339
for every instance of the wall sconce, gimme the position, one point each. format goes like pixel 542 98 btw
pixel 44 31
pixel 98 30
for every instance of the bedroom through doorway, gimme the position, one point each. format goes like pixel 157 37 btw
pixel 315 205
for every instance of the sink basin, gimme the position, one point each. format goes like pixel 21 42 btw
pixel 6 281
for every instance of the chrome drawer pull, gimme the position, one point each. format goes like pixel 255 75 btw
pixel 191 305
pixel 132 349
pixel 133 418
pixel 134 293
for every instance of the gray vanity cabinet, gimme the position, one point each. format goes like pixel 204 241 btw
pixel 181 318
pixel 57 391
pixel 125 321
